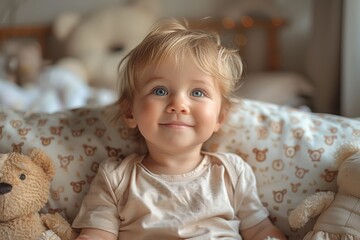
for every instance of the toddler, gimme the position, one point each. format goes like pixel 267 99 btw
pixel 175 90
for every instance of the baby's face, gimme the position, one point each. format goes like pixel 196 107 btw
pixel 176 106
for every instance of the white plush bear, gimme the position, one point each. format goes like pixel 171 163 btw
pixel 101 38
pixel 339 213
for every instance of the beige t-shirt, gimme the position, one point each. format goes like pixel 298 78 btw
pixel 213 201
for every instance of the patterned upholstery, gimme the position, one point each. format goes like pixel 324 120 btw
pixel 291 151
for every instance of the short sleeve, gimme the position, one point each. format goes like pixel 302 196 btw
pixel 248 206
pixel 99 207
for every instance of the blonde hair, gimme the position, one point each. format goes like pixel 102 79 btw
pixel 174 38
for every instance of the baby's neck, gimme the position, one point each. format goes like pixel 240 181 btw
pixel 168 164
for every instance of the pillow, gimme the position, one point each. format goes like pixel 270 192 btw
pixel 290 151
pixel 77 140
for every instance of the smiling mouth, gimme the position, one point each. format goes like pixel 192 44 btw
pixel 176 125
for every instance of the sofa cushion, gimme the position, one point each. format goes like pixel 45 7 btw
pixel 290 151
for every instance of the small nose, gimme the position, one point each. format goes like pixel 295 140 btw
pixel 178 104
pixel 5 188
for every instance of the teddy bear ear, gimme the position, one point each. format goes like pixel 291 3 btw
pixel 64 24
pixel 344 152
pixel 3 158
pixel 40 158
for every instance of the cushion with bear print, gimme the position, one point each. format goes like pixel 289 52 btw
pixel 290 151
pixel 77 140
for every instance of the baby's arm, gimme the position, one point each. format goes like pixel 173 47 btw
pixel 95 234
pixel 262 230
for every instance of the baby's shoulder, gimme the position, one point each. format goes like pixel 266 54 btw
pixel 115 169
pixel 115 172
pixel 228 158
pixel 233 163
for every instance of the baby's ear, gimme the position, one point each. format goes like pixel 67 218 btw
pixel 129 119
pixel 222 118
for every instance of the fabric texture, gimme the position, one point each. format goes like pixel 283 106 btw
pixel 339 221
pixel 291 152
pixel 212 201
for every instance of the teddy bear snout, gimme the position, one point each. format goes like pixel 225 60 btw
pixel 5 188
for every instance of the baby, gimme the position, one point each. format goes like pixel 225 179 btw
pixel 175 90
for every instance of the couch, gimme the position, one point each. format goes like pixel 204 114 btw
pixel 290 151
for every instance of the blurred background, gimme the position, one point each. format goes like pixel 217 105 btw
pixel 63 54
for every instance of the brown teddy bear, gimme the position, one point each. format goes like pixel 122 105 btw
pixel 24 190
pixel 339 212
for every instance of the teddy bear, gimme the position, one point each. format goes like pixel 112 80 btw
pixel 99 39
pixel 22 61
pixel 339 213
pixel 24 189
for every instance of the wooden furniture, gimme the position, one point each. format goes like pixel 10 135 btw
pixel 237 27
pixel 39 33
pixel 240 27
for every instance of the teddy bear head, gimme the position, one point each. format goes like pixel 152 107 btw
pixel 24 183
pixel 348 177
pixel 98 40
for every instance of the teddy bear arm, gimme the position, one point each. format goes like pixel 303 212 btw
pixel 311 207
pixel 59 226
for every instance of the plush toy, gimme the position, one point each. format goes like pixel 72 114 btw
pixel 101 38
pixel 339 213
pixel 24 189
pixel 22 61
pixel 58 87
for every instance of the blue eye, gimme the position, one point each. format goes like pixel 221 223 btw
pixel 160 91
pixel 197 93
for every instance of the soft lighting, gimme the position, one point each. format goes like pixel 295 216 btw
pixel 277 22
pixel 241 39
pixel 228 23
pixel 247 21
